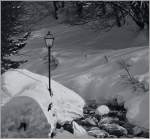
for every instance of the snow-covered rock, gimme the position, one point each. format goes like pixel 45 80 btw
pixel 137 131
pixel 138 110
pixel 114 129
pixel 108 120
pixel 102 110
pixel 67 105
pixel 64 134
pixel 78 130
pixel 98 133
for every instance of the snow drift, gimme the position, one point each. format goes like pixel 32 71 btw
pixel 66 104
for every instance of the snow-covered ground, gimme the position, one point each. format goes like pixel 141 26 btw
pixel 66 104
pixel 84 69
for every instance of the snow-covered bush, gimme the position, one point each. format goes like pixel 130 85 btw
pixel 130 80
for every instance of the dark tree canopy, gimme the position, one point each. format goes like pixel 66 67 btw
pixel 75 11
pixel 10 14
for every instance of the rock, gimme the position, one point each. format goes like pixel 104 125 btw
pixel 88 110
pixel 92 112
pixel 102 110
pixel 85 111
pixel 112 136
pixel 129 136
pixel 91 121
pixel 68 126
pixel 121 115
pixel 64 134
pixel 60 130
pixel 98 133
pixel 78 130
pixel 129 127
pixel 145 134
pixel 108 120
pixel 94 128
pixel 137 131
pixel 93 105
pixel 138 110
pixel 114 129
pixel 97 117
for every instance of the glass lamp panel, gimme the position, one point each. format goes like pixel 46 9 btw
pixel 49 42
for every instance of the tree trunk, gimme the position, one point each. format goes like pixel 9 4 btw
pixel 55 9
pixel 116 12
pixel 62 4
pixel 79 8
pixel 103 8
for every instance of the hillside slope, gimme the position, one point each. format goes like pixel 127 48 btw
pixel 83 68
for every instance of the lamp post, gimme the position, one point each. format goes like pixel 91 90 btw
pixel 49 39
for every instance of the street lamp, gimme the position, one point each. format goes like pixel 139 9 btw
pixel 49 39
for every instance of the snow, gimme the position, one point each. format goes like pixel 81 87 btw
pixel 82 66
pixel 138 110
pixel 67 105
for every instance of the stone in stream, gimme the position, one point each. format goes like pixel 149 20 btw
pixel 121 115
pixel 94 128
pixel 92 112
pixel 108 120
pixel 93 106
pixel 68 126
pixel 78 130
pixel 112 136
pixel 137 131
pixel 91 121
pixel 98 133
pixel 102 110
pixel 114 129
pixel 129 127
pixel 88 110
pixel 64 133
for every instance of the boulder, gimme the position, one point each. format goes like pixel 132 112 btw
pixel 137 131
pixel 94 128
pixel 114 129
pixel 78 130
pixel 102 110
pixel 112 136
pixel 66 104
pixel 98 133
pixel 91 121
pixel 65 134
pixel 108 120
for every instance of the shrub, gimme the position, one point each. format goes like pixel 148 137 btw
pixel 130 80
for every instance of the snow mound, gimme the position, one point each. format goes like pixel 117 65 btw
pixel 138 110
pixel 66 104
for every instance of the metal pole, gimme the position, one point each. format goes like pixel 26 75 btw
pixel 49 61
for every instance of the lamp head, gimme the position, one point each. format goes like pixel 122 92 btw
pixel 49 39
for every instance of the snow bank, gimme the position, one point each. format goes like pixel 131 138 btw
pixel 138 110
pixel 67 105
